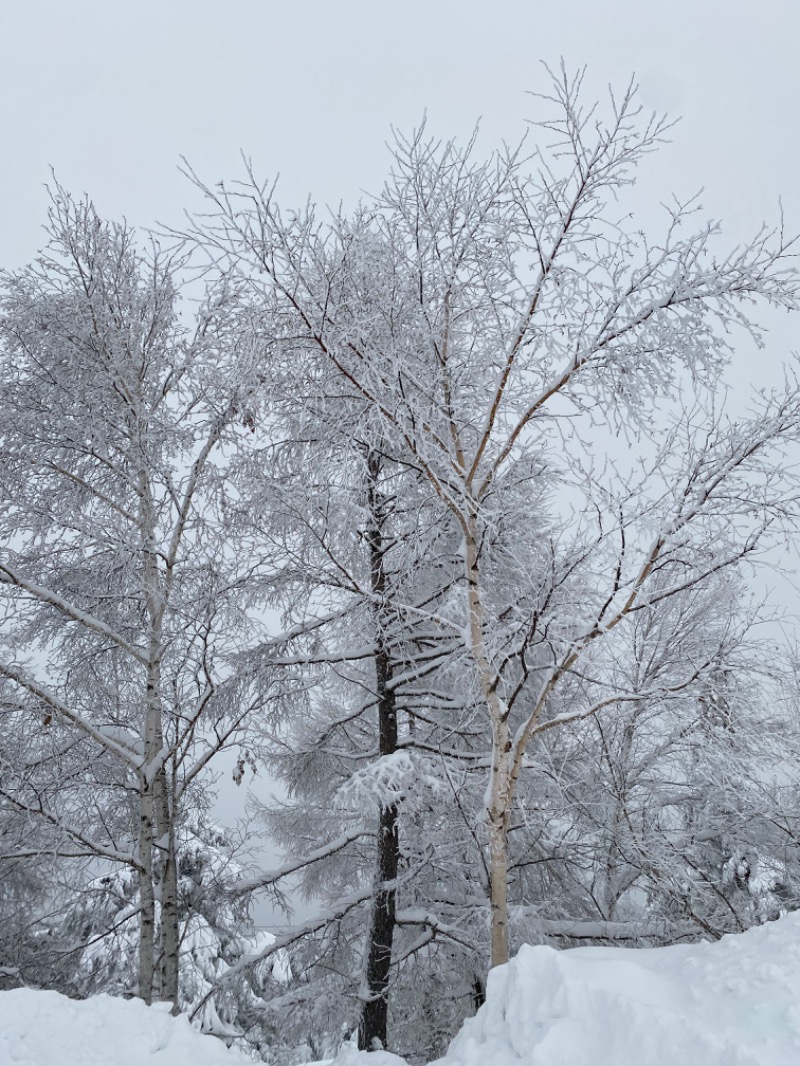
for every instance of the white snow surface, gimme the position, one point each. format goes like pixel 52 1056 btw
pixel 48 1029
pixel 732 1003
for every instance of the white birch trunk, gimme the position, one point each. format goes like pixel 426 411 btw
pixel 499 804
pixel 160 846
pixel 168 883
pixel 147 919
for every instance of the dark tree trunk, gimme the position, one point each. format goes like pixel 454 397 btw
pixel 478 993
pixel 372 1030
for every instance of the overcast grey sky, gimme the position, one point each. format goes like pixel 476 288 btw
pixel 111 94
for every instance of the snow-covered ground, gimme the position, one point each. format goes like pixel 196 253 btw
pixel 47 1029
pixel 734 1003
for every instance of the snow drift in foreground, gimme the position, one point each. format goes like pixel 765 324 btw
pixel 734 1003
pixel 47 1029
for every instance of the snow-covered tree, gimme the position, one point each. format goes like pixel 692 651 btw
pixel 516 317
pixel 101 933
pixel 364 566
pixel 632 830
pixel 121 597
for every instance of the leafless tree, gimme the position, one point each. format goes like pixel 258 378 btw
pixel 121 600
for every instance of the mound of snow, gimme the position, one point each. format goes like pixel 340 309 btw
pixel 47 1029
pixel 732 1003
pixel 350 1056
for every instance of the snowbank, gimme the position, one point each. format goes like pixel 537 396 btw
pixel 350 1056
pixel 733 1003
pixel 47 1029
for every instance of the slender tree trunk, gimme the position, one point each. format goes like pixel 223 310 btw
pixel 373 1026
pixel 170 925
pixel 147 912
pixel 500 783
pixel 161 848
pixel 498 871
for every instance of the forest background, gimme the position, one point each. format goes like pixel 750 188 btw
pixel 110 100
